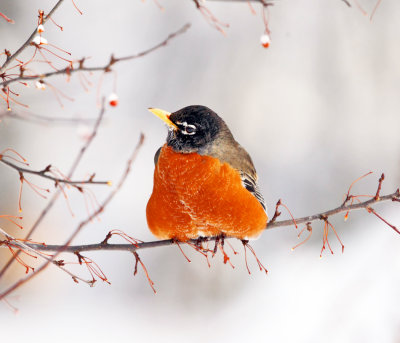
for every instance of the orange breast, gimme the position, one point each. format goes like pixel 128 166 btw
pixel 196 195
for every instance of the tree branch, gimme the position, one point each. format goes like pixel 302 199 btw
pixel 137 245
pixel 11 241
pixel 104 246
pixel 50 204
pixel 28 41
pixel 347 3
pixel 44 173
pixel 343 208
pixel 81 225
pixel 106 68
pixel 46 120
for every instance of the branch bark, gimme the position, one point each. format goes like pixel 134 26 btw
pixel 106 68
pixel 43 173
pixel 58 191
pixel 81 225
pixel 36 252
pixel 28 41
pixel 154 244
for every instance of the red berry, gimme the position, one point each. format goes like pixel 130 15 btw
pixel 113 99
pixel 265 40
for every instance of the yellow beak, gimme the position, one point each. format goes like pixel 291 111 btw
pixel 164 116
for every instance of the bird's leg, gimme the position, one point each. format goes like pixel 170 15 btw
pixel 197 245
pixel 199 242
pixel 217 238
pixel 219 242
pixel 222 241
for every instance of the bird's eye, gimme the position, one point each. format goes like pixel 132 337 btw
pixel 186 129
pixel 190 129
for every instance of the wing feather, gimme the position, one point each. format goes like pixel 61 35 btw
pixel 157 155
pixel 250 183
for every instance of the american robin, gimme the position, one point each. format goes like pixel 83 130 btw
pixel 205 183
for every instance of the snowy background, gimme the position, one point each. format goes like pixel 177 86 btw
pixel 316 110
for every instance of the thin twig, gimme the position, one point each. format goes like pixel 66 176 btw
pixel 375 8
pixel 343 208
pixel 58 192
pixel 7 19
pixel 45 120
pixel 106 68
pixel 25 247
pixel 44 173
pixel 29 40
pixel 81 225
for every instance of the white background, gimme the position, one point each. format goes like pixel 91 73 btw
pixel 316 110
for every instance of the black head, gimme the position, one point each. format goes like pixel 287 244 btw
pixel 197 127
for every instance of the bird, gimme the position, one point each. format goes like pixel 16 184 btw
pixel 205 183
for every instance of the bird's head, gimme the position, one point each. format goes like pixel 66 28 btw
pixel 191 128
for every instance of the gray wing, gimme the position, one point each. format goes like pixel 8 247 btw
pixel 250 183
pixel 157 155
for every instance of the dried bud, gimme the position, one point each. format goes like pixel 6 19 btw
pixel 40 85
pixel 265 40
pixel 38 40
pixel 113 99
pixel 40 28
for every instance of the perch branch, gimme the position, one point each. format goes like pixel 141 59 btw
pixel 145 245
pixel 344 208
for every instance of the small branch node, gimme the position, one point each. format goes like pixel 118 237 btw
pixel 105 240
pixel 138 260
pixel 379 187
pixel 277 213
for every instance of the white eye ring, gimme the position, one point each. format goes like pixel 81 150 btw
pixel 186 125
pixel 192 127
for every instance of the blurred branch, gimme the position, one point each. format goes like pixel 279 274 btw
pixel 12 58
pixel 106 68
pixel 8 20
pixel 260 1
pixel 210 17
pixel 44 120
pixel 81 225
pixel 58 192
